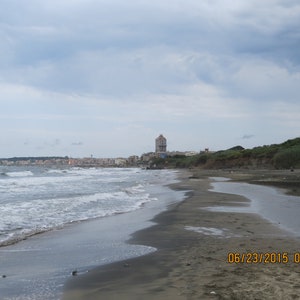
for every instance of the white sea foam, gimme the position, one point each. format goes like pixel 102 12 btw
pixel 212 231
pixel 19 174
pixel 43 199
pixel 206 230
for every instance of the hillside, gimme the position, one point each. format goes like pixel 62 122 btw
pixel 277 156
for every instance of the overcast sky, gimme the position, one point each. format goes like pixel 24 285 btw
pixel 106 77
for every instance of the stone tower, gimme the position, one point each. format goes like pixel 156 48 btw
pixel 160 144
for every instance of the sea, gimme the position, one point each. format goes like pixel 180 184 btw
pixel 37 199
pixel 57 220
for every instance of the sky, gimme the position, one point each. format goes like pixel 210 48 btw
pixel 106 77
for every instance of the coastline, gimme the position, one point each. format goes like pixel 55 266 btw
pixel 192 257
pixel 38 267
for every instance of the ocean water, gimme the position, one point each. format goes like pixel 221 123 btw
pixel 54 221
pixel 38 199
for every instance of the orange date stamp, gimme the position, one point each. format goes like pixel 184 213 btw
pixel 263 258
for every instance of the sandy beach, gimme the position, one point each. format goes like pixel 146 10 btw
pixel 204 254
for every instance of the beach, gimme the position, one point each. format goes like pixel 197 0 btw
pixel 203 253
pixel 59 222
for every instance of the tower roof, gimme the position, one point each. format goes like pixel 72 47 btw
pixel 160 137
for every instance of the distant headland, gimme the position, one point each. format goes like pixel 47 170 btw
pixel 276 156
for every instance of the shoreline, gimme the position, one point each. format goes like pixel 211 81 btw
pixel 38 267
pixel 192 257
pixel 284 180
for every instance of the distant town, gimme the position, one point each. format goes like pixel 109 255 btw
pixel 131 161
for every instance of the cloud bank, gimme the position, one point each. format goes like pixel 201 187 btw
pixel 115 74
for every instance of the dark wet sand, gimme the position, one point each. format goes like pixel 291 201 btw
pixel 192 265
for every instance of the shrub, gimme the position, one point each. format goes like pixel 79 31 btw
pixel 287 158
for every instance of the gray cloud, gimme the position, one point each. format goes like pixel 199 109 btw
pixel 90 66
pixel 138 47
pixel 247 136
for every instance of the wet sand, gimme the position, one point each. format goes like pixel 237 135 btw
pixel 192 258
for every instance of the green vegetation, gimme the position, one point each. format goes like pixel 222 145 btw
pixel 287 158
pixel 278 156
